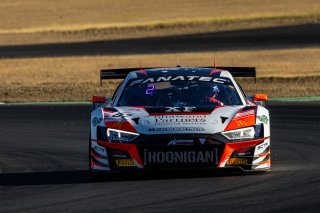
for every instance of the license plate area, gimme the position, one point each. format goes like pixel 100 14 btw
pixel 179 157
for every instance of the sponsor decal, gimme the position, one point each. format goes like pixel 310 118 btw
pixel 150 89
pixel 241 123
pixel 180 109
pixel 181 142
pixel 263 119
pixel 180 119
pixel 98 148
pixel 161 157
pixel 173 129
pixel 244 151
pixel 260 97
pixel 117 124
pixel 133 109
pixel 96 121
pixel 250 103
pixel 125 162
pixel 237 161
pixel 245 113
pixel 115 137
pixel 99 151
pixel 202 140
pixel 178 78
pixel 158 110
pixel 262 146
pixel 119 154
pixel 121 116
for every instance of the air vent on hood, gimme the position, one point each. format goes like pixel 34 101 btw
pixel 223 119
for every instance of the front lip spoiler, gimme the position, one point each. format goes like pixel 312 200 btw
pixel 172 173
pixel 229 148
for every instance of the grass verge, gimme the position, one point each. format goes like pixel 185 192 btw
pixel 274 87
pixel 281 73
pixel 112 31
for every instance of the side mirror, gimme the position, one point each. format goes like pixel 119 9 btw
pixel 100 101
pixel 260 97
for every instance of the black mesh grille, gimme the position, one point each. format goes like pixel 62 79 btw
pixel 179 151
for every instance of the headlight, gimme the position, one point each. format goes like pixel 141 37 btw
pixel 245 133
pixel 120 135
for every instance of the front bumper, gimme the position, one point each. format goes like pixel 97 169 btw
pixel 252 155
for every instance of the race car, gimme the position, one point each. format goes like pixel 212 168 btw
pixel 179 118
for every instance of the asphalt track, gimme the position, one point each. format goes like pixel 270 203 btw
pixel 297 36
pixel 43 162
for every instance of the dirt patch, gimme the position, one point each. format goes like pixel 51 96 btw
pixel 45 21
pixel 281 73
pixel 283 87
pixel 31 14
pixel 274 87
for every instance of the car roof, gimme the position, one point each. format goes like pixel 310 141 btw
pixel 179 71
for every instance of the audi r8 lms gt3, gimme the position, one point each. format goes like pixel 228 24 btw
pixel 179 118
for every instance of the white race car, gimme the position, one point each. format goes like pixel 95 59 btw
pixel 181 117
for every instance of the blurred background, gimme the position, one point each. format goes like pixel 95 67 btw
pixel 53 50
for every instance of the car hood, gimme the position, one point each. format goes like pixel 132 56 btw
pixel 171 120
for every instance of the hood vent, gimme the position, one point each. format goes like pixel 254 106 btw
pixel 185 109
pixel 223 119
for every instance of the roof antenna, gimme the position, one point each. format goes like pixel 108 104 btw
pixel 215 70
pixel 140 65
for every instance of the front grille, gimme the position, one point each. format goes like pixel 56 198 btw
pixel 179 151
pixel 179 139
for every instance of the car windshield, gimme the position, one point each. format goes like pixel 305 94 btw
pixel 180 93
